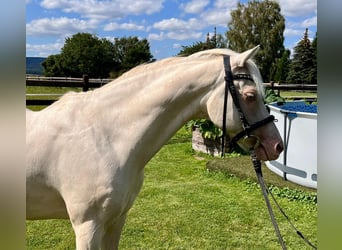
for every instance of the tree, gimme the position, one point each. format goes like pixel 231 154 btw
pixel 302 64
pixel 84 53
pixel 130 52
pixel 258 23
pixel 313 71
pixel 189 50
pixel 52 67
pixel 282 67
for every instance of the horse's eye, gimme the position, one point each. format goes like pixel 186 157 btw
pixel 249 96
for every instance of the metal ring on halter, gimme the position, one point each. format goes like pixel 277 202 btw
pixel 250 142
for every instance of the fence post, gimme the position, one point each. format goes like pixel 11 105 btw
pixel 85 83
pixel 272 87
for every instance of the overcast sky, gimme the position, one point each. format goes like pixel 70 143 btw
pixel 167 24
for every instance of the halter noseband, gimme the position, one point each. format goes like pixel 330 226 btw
pixel 247 128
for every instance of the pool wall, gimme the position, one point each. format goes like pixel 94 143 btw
pixel 298 162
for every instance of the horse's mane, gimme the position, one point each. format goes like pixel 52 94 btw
pixel 147 67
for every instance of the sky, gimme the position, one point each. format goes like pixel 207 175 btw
pixel 166 24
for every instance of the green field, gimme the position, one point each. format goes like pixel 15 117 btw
pixel 186 205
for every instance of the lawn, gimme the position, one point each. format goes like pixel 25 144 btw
pixel 188 203
pixel 289 94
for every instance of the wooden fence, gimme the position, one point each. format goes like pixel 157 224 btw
pixel 296 87
pixel 46 99
pixel 85 83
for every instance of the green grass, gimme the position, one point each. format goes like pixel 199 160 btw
pixel 186 204
pixel 45 91
pixel 295 93
pixel 49 90
pixel 289 94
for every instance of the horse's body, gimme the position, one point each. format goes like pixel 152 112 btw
pixel 86 152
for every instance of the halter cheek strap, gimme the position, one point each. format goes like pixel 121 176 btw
pixel 229 86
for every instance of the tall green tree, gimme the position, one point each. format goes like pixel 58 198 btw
pixel 130 52
pixel 282 67
pixel 313 71
pixel 302 64
pixel 258 23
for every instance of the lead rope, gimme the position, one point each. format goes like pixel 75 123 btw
pixel 224 118
pixel 257 168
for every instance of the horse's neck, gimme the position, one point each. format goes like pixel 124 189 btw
pixel 142 112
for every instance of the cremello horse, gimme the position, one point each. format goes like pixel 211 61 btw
pixel 86 152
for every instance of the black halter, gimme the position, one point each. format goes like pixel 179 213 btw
pixel 247 128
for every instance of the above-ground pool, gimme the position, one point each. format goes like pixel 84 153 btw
pixel 297 124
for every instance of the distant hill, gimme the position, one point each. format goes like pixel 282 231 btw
pixel 34 65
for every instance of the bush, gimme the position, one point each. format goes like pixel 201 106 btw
pixel 271 96
pixel 207 129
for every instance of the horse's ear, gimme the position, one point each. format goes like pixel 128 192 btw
pixel 240 59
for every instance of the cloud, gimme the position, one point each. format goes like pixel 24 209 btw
pixel 298 28
pixel 177 29
pixel 217 17
pixel 123 26
pixel 298 8
pixel 225 4
pixel 219 14
pixel 59 26
pixel 184 35
pixel 175 35
pixel 44 50
pixel 293 32
pixel 159 37
pixel 194 6
pixel 309 22
pixel 178 24
pixel 105 9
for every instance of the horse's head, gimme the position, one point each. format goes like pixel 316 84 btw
pixel 247 115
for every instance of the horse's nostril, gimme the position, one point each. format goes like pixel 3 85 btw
pixel 279 147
